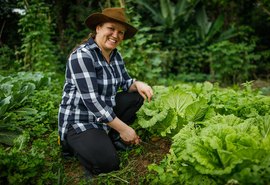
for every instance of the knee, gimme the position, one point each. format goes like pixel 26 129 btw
pixel 138 100
pixel 112 165
pixel 106 165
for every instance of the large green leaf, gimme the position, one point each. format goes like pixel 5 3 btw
pixel 212 31
pixel 202 21
pixel 4 105
pixel 151 121
pixel 170 14
pixel 196 111
pixel 165 114
pixel 8 134
pixel 167 11
pixel 178 100
pixel 155 13
pixel 264 125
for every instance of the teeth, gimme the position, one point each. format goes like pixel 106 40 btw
pixel 112 40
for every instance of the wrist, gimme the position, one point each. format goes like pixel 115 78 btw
pixel 133 87
pixel 118 125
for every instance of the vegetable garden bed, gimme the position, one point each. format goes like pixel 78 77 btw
pixel 195 133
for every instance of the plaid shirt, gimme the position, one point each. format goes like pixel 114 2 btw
pixel 90 88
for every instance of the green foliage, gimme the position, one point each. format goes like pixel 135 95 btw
pixel 169 15
pixel 211 32
pixel 35 164
pixel 31 109
pixel 69 17
pixel 8 134
pixel 170 110
pixel 231 62
pixel 29 126
pixel 225 139
pixel 15 92
pixel 7 58
pixel 190 59
pixel 181 32
pixel 144 59
pixel 263 66
pixel 227 148
pixel 192 33
pixel 16 89
pixel 37 50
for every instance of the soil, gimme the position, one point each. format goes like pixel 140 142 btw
pixel 154 151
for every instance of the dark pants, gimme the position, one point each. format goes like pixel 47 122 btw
pixel 94 147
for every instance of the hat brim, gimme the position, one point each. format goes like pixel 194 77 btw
pixel 97 18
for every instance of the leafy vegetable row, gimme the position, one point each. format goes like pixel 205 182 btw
pixel 218 135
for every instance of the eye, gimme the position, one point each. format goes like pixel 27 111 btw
pixel 121 32
pixel 111 28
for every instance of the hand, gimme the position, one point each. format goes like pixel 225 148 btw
pixel 144 90
pixel 129 136
pixel 127 133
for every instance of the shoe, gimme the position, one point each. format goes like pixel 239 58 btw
pixel 67 154
pixel 66 151
pixel 121 146
pixel 117 141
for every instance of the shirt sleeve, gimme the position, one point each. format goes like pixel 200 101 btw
pixel 83 74
pixel 127 80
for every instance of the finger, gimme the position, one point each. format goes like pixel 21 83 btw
pixel 142 94
pixel 137 141
pixel 149 95
pixel 151 91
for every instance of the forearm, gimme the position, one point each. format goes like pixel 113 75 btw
pixel 118 125
pixel 133 87
pixel 127 133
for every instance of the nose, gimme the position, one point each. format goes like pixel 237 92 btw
pixel 115 33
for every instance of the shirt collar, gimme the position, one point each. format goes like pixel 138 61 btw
pixel 92 43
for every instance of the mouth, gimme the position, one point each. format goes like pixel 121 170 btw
pixel 114 41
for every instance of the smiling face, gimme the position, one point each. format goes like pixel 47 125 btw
pixel 109 35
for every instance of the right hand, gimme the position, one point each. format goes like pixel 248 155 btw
pixel 129 136
pixel 127 133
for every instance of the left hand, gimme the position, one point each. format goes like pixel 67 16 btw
pixel 144 90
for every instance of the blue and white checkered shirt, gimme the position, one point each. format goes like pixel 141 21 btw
pixel 90 88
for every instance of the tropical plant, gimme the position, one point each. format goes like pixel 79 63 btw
pixel 170 15
pixel 212 32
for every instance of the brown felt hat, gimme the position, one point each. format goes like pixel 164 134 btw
pixel 111 15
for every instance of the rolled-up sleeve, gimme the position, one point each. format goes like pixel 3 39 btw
pixel 83 75
pixel 127 80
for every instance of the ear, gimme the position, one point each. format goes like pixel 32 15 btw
pixel 97 28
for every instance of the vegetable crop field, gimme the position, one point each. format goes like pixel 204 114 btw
pixel 192 133
pixel 207 62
